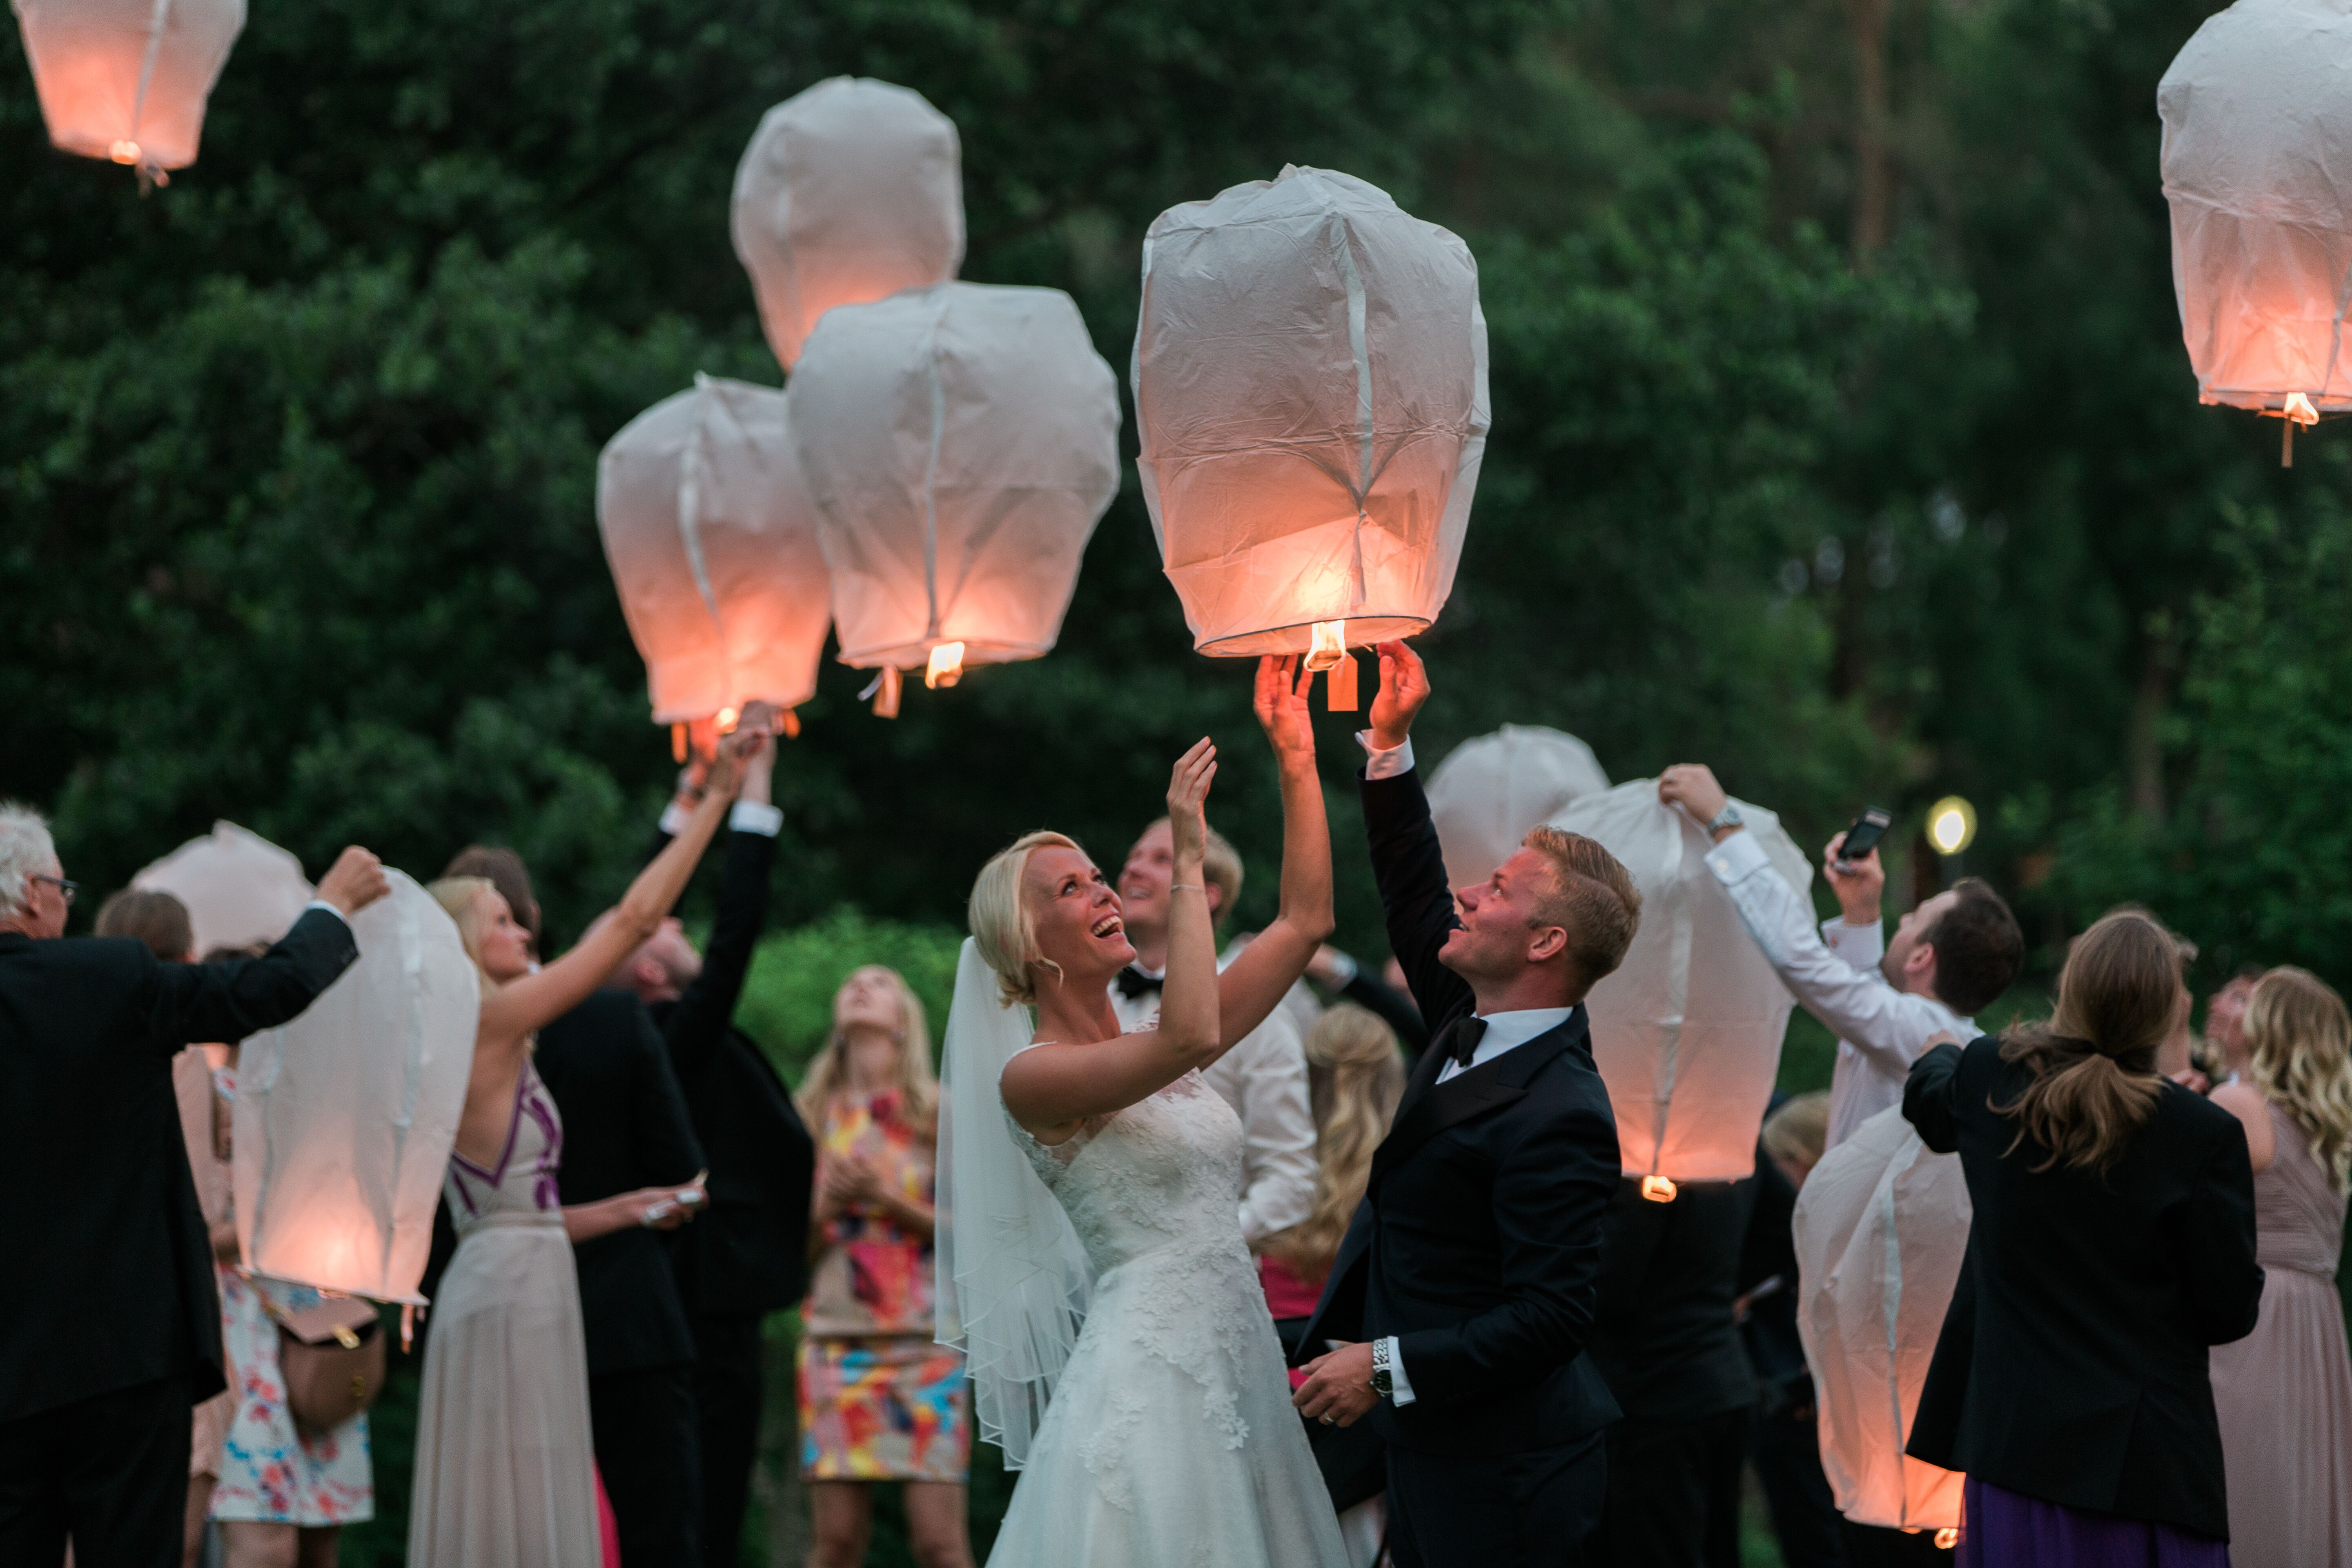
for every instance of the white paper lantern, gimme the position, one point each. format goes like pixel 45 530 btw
pixel 2257 163
pixel 1311 385
pixel 1882 1229
pixel 713 546
pixel 345 1117
pixel 960 443
pixel 239 887
pixel 1490 790
pixel 849 192
pixel 127 79
pixel 1687 1032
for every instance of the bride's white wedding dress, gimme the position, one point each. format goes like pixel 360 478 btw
pixel 1170 1439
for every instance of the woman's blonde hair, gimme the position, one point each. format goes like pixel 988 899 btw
pixel 462 897
pixel 2297 1037
pixel 2094 1081
pixel 828 1072
pixel 1799 1131
pixel 1354 1076
pixel 1002 927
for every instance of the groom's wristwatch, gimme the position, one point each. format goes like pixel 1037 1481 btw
pixel 1382 1383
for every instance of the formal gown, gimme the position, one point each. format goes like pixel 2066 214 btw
pixel 504 1474
pixel 2285 1392
pixel 1170 1439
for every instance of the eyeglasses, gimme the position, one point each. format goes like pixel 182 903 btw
pixel 65 889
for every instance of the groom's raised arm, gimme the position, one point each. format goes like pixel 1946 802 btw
pixel 1407 863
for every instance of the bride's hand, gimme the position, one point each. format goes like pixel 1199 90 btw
pixel 1188 793
pixel 1281 707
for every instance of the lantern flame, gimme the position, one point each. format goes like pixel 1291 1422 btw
pixel 124 151
pixel 726 717
pixel 2299 409
pixel 1947 1537
pixel 946 667
pixel 1329 645
pixel 1658 1189
pixel 1951 825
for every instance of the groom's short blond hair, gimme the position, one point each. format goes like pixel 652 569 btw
pixel 1592 898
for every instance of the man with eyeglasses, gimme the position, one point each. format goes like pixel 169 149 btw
pixel 110 1327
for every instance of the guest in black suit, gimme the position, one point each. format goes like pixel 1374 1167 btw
pixel 110 1332
pixel 2113 1243
pixel 748 1257
pixel 1466 1289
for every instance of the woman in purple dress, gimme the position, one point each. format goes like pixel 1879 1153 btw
pixel 2113 1244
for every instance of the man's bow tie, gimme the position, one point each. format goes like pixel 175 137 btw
pixel 1133 983
pixel 1459 1038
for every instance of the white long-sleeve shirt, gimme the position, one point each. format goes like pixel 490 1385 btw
pixel 1833 972
pixel 1263 1078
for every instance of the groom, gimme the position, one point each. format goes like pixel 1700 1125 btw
pixel 1463 1293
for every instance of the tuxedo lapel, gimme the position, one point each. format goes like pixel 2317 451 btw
pixel 1429 1108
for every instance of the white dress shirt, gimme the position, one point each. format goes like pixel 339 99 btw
pixel 1833 972
pixel 1263 1078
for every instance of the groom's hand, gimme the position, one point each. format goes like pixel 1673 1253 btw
pixel 1338 1387
pixel 1404 686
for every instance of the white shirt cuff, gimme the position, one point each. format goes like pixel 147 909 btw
pixel 1388 764
pixel 751 816
pixel 674 818
pixel 1347 966
pixel 322 904
pixel 1860 945
pixel 1737 858
pixel 1399 1386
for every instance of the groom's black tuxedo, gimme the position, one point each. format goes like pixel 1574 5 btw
pixel 1479 1246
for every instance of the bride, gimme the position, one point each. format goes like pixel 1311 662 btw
pixel 1090 1262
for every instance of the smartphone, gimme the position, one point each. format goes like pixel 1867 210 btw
pixel 1864 836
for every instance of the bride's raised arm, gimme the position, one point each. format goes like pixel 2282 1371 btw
pixel 1078 1072
pixel 1271 964
pixel 535 1000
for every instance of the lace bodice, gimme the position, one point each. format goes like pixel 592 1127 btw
pixel 524 1178
pixel 1165 1173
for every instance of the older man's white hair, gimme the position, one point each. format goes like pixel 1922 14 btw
pixel 27 851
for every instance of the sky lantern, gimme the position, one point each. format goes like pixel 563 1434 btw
pixel 1687 1032
pixel 1490 790
pixel 1882 1228
pixel 960 444
pixel 849 192
pixel 713 547
pixel 2257 165
pixel 239 887
pixel 127 79
pixel 1310 386
pixel 345 1117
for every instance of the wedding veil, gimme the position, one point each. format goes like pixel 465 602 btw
pixel 1013 1280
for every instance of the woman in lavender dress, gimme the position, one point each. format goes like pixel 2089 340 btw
pixel 2285 1392
pixel 504 1474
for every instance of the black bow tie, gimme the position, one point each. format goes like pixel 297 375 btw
pixel 1459 1038
pixel 1133 983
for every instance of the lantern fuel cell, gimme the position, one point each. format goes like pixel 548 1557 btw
pixel 960 444
pixel 1310 388
pixel 127 79
pixel 2257 163
pixel 712 543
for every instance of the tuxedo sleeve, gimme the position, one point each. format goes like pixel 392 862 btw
pixel 666 1149
pixel 1419 906
pixel 705 1011
pixel 192 1004
pixel 1551 1199
pixel 1931 1099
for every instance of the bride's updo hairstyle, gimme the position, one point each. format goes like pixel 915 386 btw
pixel 2094 1082
pixel 1001 926
pixel 466 900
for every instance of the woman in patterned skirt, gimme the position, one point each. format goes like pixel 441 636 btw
pixel 879 1401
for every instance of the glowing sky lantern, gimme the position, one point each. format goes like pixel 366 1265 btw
pixel 1882 1228
pixel 238 886
pixel 849 192
pixel 345 1117
pixel 1490 790
pixel 2257 165
pixel 127 79
pixel 1687 1032
pixel 713 546
pixel 1311 385
pixel 960 444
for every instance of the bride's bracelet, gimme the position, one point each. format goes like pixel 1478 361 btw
pixel 1185 887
